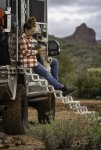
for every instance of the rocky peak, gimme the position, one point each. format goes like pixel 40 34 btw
pixel 84 35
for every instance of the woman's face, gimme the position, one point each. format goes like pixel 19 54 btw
pixel 30 32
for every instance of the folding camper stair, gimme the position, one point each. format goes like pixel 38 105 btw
pixel 67 100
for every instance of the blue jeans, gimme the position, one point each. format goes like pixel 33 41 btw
pixel 54 68
pixel 42 71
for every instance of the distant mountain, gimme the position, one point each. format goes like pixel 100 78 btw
pixel 82 47
pixel 83 35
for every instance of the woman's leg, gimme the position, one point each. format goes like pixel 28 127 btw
pixel 42 71
pixel 54 68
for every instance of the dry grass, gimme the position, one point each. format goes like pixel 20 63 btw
pixel 29 143
pixel 63 112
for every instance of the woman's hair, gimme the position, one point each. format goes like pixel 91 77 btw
pixel 30 23
pixel 28 26
pixel 32 20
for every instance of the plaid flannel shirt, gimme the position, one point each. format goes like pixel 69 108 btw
pixel 27 51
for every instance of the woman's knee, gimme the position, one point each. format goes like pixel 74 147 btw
pixel 54 62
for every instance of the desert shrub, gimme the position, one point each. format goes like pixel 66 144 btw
pixel 93 136
pixel 71 134
pixel 89 86
pixel 66 68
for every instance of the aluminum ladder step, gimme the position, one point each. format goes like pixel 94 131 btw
pixel 67 100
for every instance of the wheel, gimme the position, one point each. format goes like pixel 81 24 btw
pixel 15 119
pixel 47 114
pixel 46 109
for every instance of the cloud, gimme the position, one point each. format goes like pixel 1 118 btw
pixel 65 15
pixel 56 3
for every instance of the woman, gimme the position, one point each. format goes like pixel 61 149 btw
pixel 27 57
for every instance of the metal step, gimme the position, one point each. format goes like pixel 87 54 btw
pixel 67 100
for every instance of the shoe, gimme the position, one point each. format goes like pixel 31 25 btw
pixel 66 91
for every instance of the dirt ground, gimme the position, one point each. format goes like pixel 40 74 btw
pixel 26 142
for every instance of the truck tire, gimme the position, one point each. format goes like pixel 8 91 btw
pixel 15 119
pixel 46 111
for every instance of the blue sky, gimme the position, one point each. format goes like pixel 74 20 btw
pixel 65 15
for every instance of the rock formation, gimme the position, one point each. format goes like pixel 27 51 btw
pixel 83 35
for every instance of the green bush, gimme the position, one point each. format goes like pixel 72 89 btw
pixel 66 68
pixel 89 86
pixel 71 134
pixel 93 135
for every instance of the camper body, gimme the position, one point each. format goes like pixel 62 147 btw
pixel 20 87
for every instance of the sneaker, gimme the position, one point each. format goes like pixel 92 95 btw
pixel 66 91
